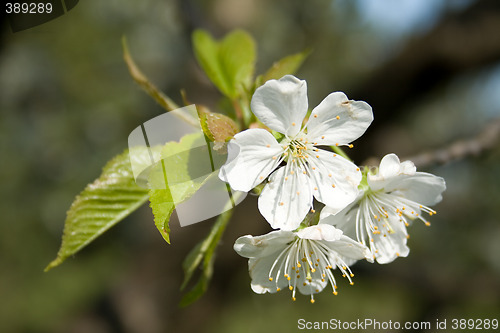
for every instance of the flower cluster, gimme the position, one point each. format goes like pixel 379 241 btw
pixel 365 212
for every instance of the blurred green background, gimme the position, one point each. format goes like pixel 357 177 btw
pixel 429 68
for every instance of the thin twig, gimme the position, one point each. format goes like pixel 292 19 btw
pixel 485 140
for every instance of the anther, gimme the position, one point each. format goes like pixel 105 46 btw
pixel 268 146
pixel 282 203
pixel 315 116
pixel 270 279
pixel 351 145
pixel 337 117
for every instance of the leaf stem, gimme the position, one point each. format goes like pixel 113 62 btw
pixel 339 151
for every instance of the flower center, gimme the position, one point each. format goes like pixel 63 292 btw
pixel 297 150
pixel 307 264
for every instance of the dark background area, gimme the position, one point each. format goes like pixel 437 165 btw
pixel 430 69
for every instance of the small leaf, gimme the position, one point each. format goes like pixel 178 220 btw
pixel 205 250
pixel 177 177
pixel 105 202
pixel 230 63
pixel 217 127
pixel 287 65
pixel 237 55
pixel 162 205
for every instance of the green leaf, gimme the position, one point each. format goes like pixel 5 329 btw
pixel 105 202
pixel 228 63
pixel 177 178
pixel 287 65
pixel 204 251
pixel 162 205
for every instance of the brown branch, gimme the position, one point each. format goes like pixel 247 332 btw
pixel 485 140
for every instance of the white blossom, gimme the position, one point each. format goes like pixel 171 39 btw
pixel 297 169
pixel 387 203
pixel 302 260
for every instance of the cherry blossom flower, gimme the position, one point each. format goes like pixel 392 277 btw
pixel 297 169
pixel 387 203
pixel 302 260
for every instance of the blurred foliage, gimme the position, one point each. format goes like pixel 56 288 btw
pixel 68 103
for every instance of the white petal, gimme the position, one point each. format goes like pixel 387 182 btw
pixel 335 180
pixel 344 220
pixel 348 248
pixel 392 245
pixel 390 170
pixel 389 166
pixel 252 155
pixel 259 273
pixel 286 199
pixel 261 246
pixel 325 128
pixel 313 287
pixel 281 104
pixel 320 232
pixel 423 188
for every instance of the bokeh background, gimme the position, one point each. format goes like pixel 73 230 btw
pixel 429 68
